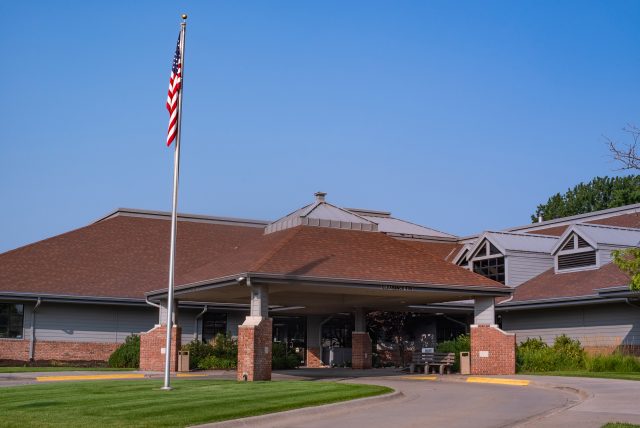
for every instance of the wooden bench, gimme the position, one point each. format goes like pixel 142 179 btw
pixel 442 360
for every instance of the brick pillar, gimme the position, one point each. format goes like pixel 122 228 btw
pixel 254 349
pixel 314 357
pixel 152 348
pixel 360 350
pixel 493 351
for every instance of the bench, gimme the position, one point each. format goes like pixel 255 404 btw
pixel 442 360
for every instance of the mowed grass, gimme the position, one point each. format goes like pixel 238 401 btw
pixel 29 369
pixel 582 373
pixel 143 404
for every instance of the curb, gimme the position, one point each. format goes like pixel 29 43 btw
pixel 303 411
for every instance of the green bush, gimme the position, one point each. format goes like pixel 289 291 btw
pixel 461 343
pixel 212 362
pixel 127 355
pixel 283 359
pixel 197 352
pixel 533 355
pixel 612 363
pixel 222 354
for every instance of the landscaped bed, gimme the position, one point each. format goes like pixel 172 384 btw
pixel 142 403
pixel 584 373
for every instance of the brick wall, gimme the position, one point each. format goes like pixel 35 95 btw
pixel 493 352
pixel 59 351
pixel 314 357
pixel 151 345
pixel 254 349
pixel 360 350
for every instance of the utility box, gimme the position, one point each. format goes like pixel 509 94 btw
pixel 183 361
pixel 465 363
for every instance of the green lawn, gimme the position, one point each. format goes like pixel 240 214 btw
pixel 29 369
pixel 580 373
pixel 142 403
pixel 619 425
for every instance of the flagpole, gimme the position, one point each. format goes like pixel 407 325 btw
pixel 174 216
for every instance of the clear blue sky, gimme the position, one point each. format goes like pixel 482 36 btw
pixel 461 116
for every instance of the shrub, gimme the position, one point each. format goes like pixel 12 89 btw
pixel 127 355
pixel 461 343
pixel 533 355
pixel 213 362
pixel 223 354
pixel 197 352
pixel 284 359
pixel 612 363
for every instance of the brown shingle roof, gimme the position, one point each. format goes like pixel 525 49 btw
pixel 346 254
pixel 550 285
pixel 623 220
pixel 127 256
pixel 443 250
pixel 122 256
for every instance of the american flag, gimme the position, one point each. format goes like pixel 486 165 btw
pixel 172 98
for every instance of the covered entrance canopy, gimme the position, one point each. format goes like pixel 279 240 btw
pixel 322 270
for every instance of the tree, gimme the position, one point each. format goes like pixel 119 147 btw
pixel 598 194
pixel 628 155
pixel 628 260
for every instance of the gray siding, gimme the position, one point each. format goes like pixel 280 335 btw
pixel 521 268
pixel 98 323
pixel 91 323
pixel 596 325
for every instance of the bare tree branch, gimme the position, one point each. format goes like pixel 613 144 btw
pixel 628 155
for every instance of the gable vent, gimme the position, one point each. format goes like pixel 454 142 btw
pixel 569 244
pixel 576 260
pixel 582 243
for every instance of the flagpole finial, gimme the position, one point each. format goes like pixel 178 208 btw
pixel 184 16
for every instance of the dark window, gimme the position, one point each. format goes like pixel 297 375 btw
pixel 482 250
pixel 491 268
pixel 11 319
pixel 212 325
pixel 463 260
pixel 576 260
pixel 493 250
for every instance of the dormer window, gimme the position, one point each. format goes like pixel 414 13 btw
pixel 464 261
pixel 488 261
pixel 576 253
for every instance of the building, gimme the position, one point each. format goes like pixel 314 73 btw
pixel 313 274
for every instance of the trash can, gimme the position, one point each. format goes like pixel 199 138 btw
pixel 183 361
pixel 465 363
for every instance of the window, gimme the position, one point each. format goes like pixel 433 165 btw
pixel 482 250
pixel 212 325
pixel 492 268
pixel 463 260
pixel 11 319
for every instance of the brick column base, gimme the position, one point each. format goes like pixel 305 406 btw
pixel 360 350
pixel 493 351
pixel 314 357
pixel 254 349
pixel 152 347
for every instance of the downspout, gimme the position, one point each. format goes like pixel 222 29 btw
pixel 32 344
pixel 195 326
pixel 149 302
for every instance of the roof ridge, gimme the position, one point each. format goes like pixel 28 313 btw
pixel 524 234
pixel 290 233
pixel 607 226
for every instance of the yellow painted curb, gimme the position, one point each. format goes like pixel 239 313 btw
pixel 420 377
pixel 498 381
pixel 89 377
pixel 191 375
